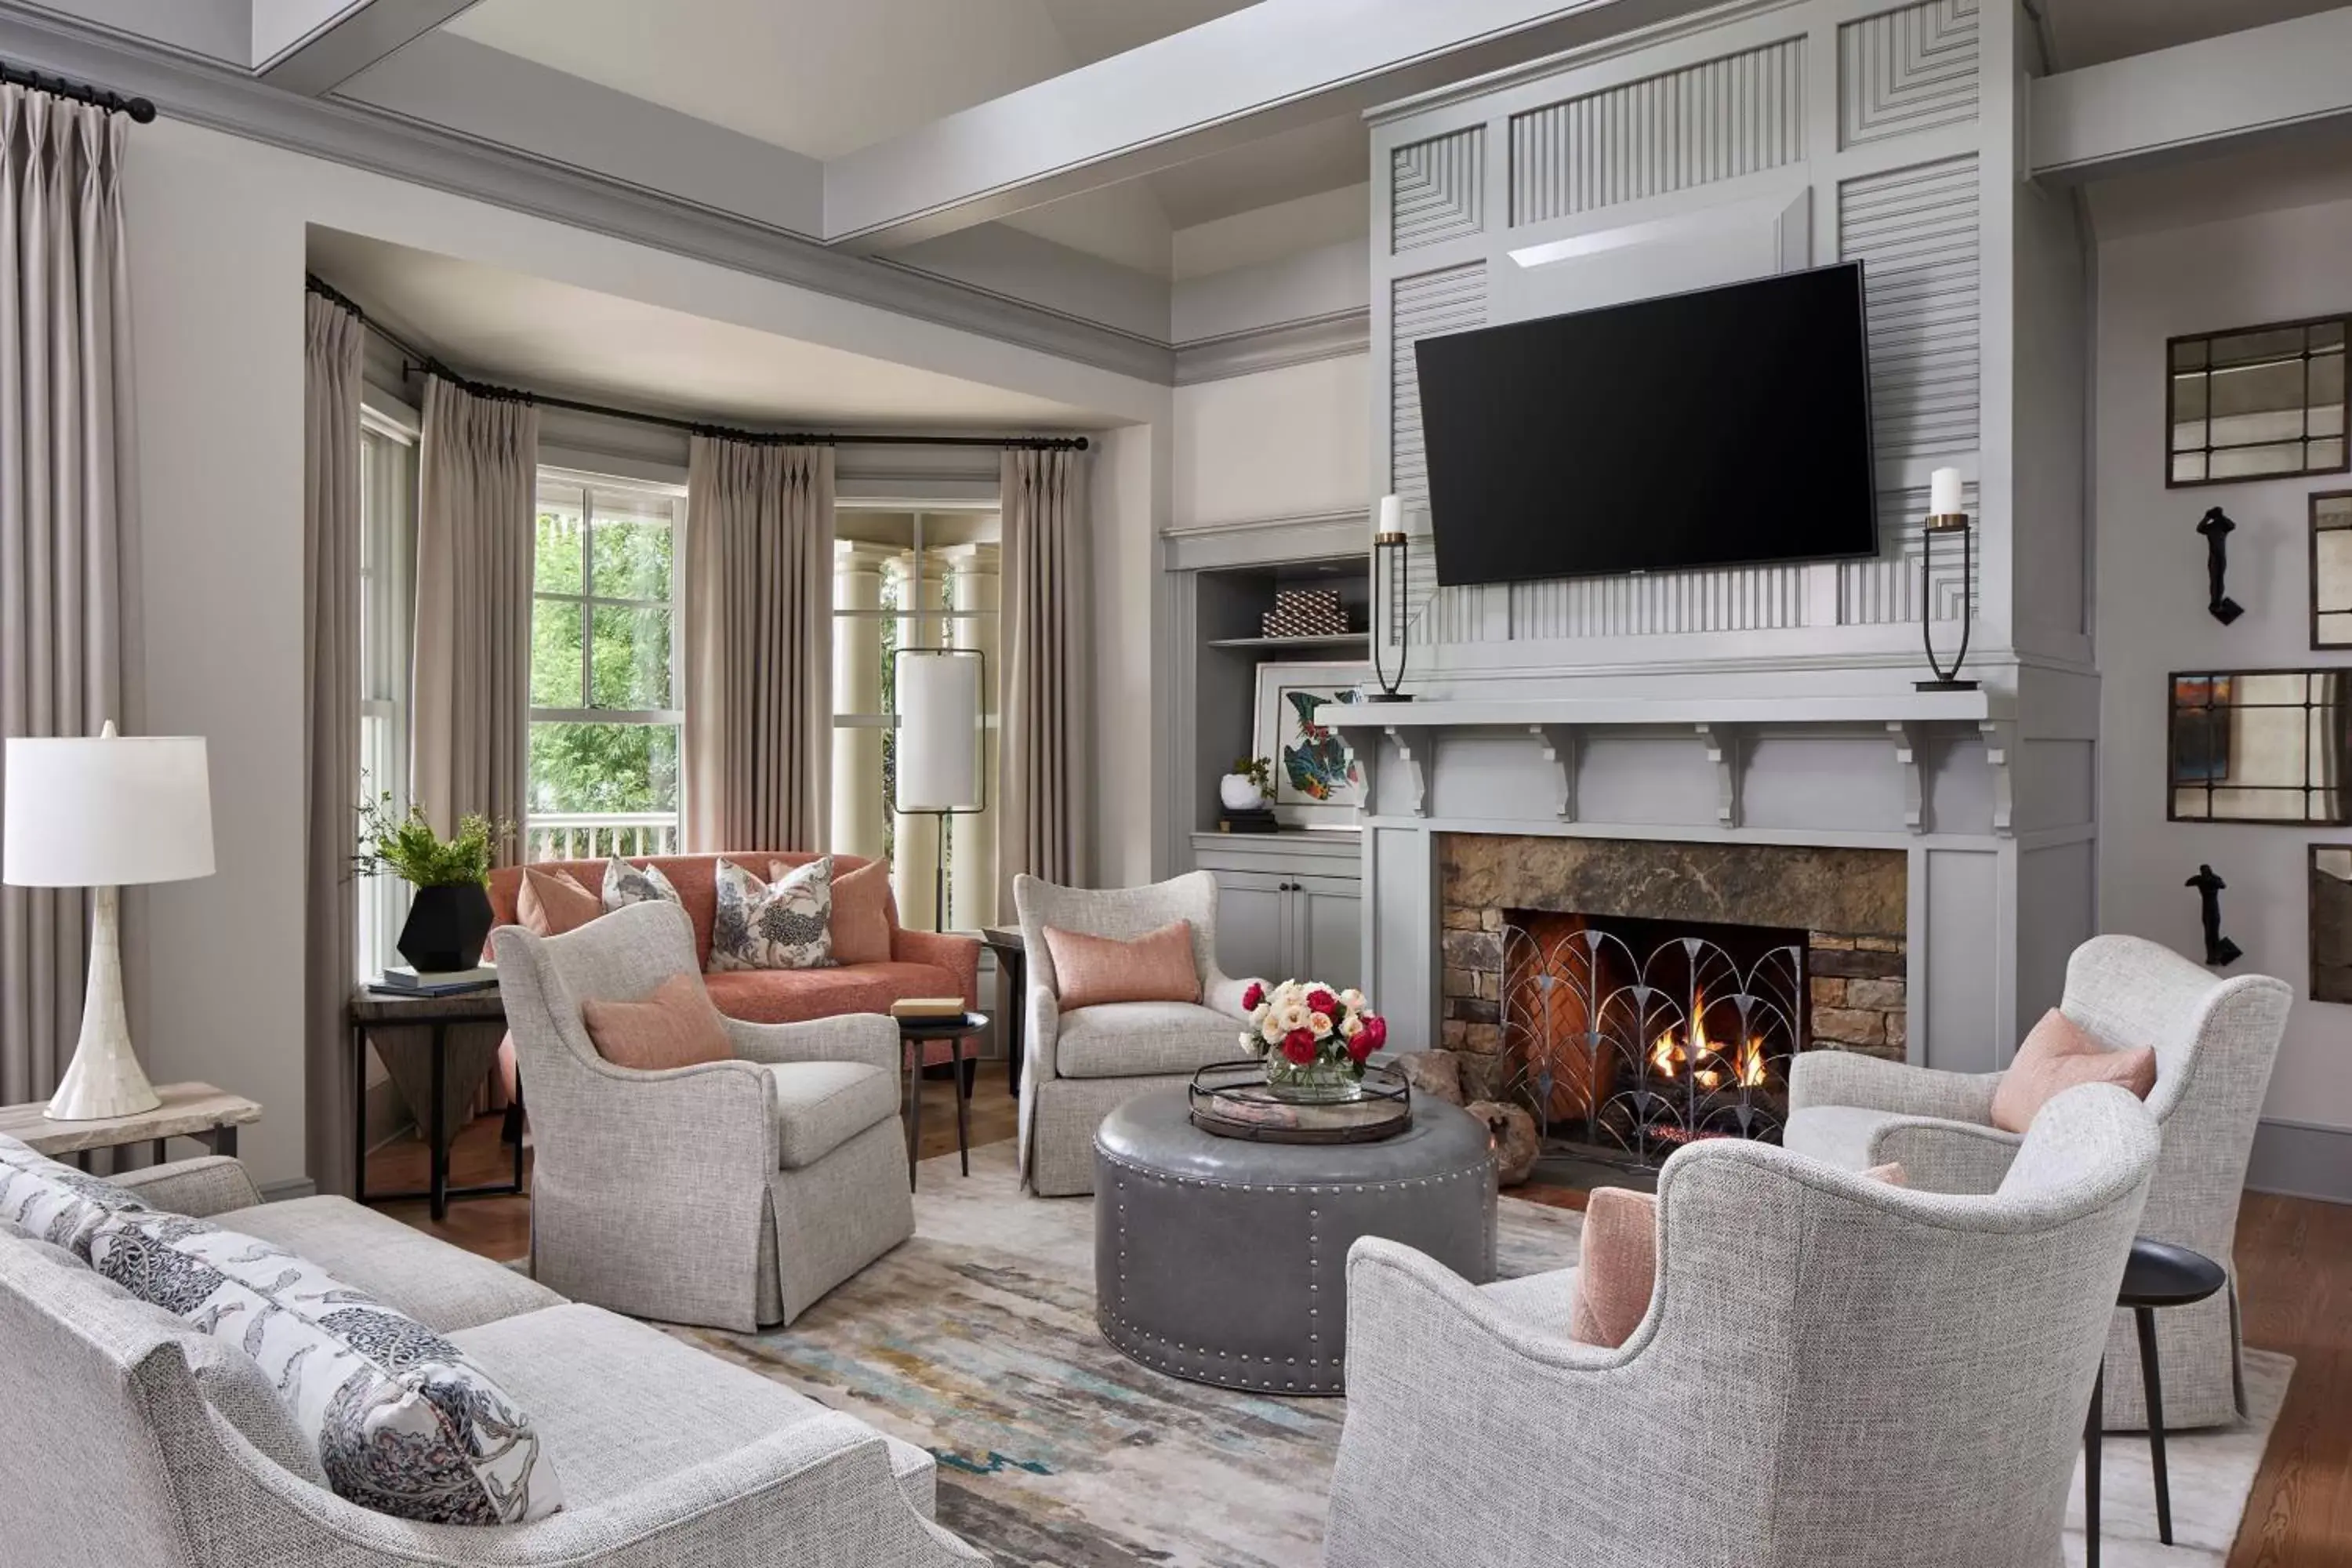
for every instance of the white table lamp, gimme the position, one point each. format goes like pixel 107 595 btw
pixel 105 814
pixel 938 771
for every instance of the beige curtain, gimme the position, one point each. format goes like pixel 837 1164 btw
pixel 758 646
pixel 476 492
pixel 330 689
pixel 68 517
pixel 1047 641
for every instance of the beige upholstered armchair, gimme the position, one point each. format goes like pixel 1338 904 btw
pixel 1834 1373
pixel 1081 1065
pixel 2214 1043
pixel 732 1193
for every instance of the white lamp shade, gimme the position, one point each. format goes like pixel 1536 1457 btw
pixel 105 813
pixel 939 731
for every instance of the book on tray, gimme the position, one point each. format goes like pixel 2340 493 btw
pixel 926 1009
pixel 400 980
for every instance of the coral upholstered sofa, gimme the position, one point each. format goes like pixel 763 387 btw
pixel 922 964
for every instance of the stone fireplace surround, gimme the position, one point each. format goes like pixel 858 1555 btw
pixel 1851 904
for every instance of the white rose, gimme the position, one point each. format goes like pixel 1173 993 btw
pixel 1319 1024
pixel 1273 1031
pixel 1352 1000
pixel 1350 1026
pixel 1249 1041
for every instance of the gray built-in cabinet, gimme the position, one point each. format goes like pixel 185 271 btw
pixel 1289 906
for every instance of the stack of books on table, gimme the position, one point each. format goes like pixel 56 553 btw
pixel 399 980
pixel 927 1009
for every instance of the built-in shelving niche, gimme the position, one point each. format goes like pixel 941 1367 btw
pixel 1229 647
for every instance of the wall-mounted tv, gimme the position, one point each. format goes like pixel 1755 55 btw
pixel 1728 426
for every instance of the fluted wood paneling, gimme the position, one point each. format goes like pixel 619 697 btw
pixel 1426 305
pixel 1748 598
pixel 1885 590
pixel 1915 231
pixel 1714 122
pixel 1436 189
pixel 1907 71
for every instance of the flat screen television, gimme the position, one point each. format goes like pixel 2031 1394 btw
pixel 1728 427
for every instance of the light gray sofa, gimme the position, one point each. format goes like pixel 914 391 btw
pixel 1834 1373
pixel 1081 1065
pixel 2214 1039
pixel 665 1455
pixel 733 1193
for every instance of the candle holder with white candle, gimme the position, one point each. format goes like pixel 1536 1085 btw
pixel 1944 515
pixel 1390 550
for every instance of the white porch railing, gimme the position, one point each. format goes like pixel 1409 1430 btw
pixel 592 835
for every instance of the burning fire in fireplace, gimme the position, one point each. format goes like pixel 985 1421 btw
pixel 1712 1064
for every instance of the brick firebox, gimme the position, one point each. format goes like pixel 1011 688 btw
pixel 1851 904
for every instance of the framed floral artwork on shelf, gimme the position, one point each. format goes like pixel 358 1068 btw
pixel 1319 781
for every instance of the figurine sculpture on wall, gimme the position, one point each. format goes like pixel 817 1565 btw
pixel 2216 528
pixel 2219 950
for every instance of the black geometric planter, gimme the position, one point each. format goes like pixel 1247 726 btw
pixel 447 927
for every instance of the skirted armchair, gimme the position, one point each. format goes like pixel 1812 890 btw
pixel 1081 1065
pixel 1834 1373
pixel 732 1193
pixel 2214 1043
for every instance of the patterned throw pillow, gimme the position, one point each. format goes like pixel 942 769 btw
pixel 55 1203
pixel 783 924
pixel 625 884
pixel 403 1423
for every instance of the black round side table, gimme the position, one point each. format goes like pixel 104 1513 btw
pixel 912 1035
pixel 2159 1275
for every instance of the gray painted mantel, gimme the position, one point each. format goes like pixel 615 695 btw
pixel 1772 704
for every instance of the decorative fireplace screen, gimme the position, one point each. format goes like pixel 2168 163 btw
pixel 1634 1038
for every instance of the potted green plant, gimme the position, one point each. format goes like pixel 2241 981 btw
pixel 1248 786
pixel 449 919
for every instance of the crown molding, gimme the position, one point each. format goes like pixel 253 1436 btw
pixel 1285 344
pixel 221 97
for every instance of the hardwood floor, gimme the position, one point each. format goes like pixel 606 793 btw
pixel 2296 1256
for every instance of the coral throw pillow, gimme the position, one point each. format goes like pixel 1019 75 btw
pixel 861 910
pixel 1154 967
pixel 2056 1057
pixel 677 1027
pixel 549 903
pixel 1619 1266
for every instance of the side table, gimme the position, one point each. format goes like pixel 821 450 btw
pixel 371 1010
pixel 913 1033
pixel 197 1111
pixel 1011 994
pixel 2157 1275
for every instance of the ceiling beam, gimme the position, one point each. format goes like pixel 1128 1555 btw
pixel 312 47
pixel 2172 105
pixel 1229 82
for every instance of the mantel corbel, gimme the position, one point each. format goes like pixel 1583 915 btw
pixel 1559 750
pixel 1723 749
pixel 1910 755
pixel 1414 776
pixel 2001 749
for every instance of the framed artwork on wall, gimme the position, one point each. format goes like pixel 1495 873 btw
pixel 2331 569
pixel 2331 922
pixel 2257 403
pixel 1317 780
pixel 2260 745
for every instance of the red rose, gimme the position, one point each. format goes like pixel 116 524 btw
pixel 1362 1046
pixel 1321 1001
pixel 1299 1046
pixel 1253 996
pixel 1373 1035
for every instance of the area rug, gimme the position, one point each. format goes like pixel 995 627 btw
pixel 977 1340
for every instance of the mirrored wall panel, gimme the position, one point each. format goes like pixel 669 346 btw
pixel 2257 401
pixel 2260 745
pixel 2331 569
pixel 2331 922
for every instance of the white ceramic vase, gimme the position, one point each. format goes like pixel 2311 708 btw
pixel 1240 793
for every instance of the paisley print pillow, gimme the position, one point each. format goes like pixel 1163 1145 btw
pixel 401 1421
pixel 625 884
pixel 783 924
pixel 55 1203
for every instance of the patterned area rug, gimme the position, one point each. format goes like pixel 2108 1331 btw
pixel 977 1340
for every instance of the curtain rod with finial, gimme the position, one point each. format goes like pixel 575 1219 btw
pixel 139 109
pixel 417 360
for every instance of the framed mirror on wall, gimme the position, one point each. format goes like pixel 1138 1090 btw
pixel 2331 922
pixel 2260 745
pixel 2255 403
pixel 2331 569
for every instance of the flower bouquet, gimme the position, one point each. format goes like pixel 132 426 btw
pixel 1314 1040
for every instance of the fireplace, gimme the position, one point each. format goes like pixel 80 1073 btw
pixel 1635 994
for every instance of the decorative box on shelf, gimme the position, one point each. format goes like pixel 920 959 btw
pixel 1261 820
pixel 1305 612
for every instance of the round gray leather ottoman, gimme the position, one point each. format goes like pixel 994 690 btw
pixel 1226 1261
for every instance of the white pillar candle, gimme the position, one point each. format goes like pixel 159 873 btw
pixel 1391 514
pixel 1944 492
